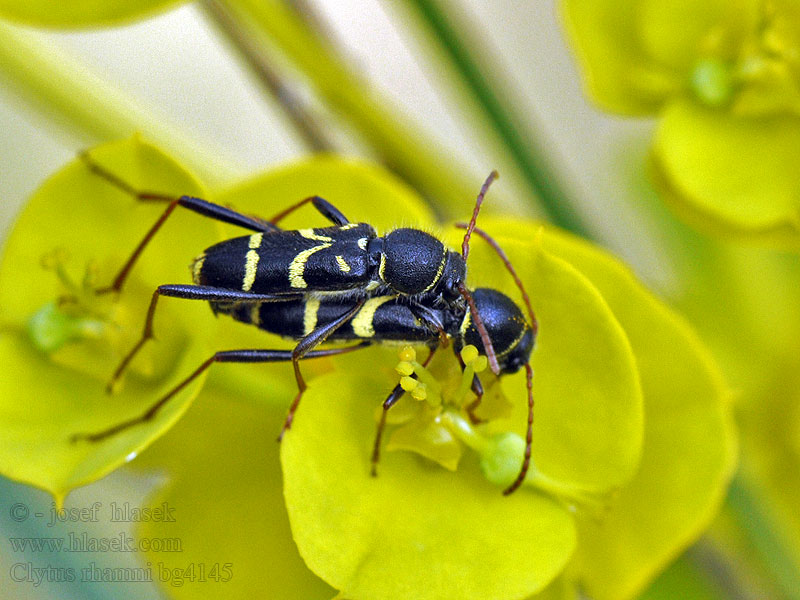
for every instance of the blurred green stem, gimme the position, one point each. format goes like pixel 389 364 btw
pixel 304 122
pixel 401 145
pixel 81 104
pixel 534 165
pixel 752 516
pixel 709 562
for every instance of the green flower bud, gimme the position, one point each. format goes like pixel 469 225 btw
pixel 501 458
pixel 712 82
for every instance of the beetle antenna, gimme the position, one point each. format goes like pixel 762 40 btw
pixel 526 462
pixel 504 257
pixel 528 370
pixel 484 188
pixel 487 342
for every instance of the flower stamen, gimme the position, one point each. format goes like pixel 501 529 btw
pixel 75 314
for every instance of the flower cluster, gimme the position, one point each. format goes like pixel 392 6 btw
pixel 632 445
pixel 724 79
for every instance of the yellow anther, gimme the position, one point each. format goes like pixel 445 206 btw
pixel 404 368
pixel 419 392
pixel 408 383
pixel 480 364
pixel 469 353
pixel 408 354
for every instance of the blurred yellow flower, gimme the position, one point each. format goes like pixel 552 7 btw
pixel 724 79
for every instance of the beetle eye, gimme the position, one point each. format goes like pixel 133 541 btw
pixel 451 294
pixel 513 365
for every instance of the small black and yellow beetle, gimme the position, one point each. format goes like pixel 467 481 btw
pixel 338 283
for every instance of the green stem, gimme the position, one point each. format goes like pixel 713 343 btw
pixel 83 105
pixel 401 144
pixel 707 562
pixel 752 516
pixel 533 164
pixel 305 124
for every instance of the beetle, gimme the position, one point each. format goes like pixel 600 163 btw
pixel 269 277
pixel 272 264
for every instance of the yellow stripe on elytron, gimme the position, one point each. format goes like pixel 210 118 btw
pixel 348 226
pixel 197 267
pixel 310 315
pixel 362 322
pixel 343 266
pixel 251 261
pixel 310 235
pixel 382 268
pixel 465 324
pixel 255 240
pixel 438 273
pixel 298 267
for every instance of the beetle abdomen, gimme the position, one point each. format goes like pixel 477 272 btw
pixel 382 318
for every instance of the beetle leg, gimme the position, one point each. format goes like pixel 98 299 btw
pixel 313 339
pixel 190 292
pixel 231 356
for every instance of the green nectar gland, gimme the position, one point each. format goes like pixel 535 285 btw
pixel 442 400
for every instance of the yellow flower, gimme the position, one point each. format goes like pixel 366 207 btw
pixel 632 445
pixel 724 79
